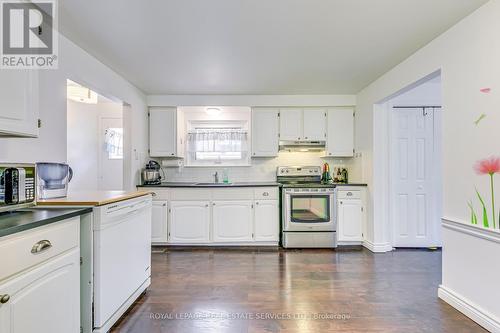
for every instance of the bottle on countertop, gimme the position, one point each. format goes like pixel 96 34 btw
pixel 345 176
pixel 325 177
pixel 225 176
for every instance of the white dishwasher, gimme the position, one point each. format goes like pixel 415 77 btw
pixel 122 258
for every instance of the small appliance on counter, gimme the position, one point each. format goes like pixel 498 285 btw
pixel 151 174
pixel 17 186
pixel 53 180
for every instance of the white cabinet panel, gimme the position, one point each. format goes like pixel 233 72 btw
pixel 350 220
pixel 44 299
pixel 232 221
pixel 266 220
pixel 314 125
pixel 19 103
pixel 265 132
pixel 291 124
pixel 340 132
pixel 163 132
pixel 159 223
pixel 189 222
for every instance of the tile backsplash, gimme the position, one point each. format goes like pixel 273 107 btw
pixel 263 169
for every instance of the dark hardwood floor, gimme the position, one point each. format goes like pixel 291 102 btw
pixel 262 290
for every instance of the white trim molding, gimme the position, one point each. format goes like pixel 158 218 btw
pixel 377 247
pixel 470 275
pixel 471 310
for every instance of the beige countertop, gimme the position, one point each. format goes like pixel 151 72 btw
pixel 92 198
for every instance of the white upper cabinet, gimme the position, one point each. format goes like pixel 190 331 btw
pixel 340 132
pixel 266 220
pixel 232 221
pixel 19 103
pixel 314 124
pixel 291 124
pixel 189 222
pixel 302 124
pixel 265 132
pixel 165 132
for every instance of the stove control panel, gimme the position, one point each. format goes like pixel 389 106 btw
pixel 294 171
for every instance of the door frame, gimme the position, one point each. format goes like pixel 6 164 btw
pixel 436 177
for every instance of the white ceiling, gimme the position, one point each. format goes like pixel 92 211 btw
pixel 256 46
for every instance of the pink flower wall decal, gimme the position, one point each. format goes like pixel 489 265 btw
pixel 488 166
pixel 485 90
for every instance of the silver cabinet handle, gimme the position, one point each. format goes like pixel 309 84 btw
pixel 213 204
pixel 349 194
pixel 4 298
pixel 206 205
pixel 41 246
pixel 265 194
pixel 153 194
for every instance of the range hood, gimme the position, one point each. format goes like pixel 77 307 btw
pixel 294 146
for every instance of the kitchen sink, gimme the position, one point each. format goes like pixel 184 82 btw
pixel 214 184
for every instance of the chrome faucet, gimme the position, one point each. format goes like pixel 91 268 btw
pixel 216 177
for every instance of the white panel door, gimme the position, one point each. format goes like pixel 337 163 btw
pixel 265 132
pixel 44 299
pixel 266 221
pixel 314 124
pixel 19 102
pixel 411 167
pixel 159 233
pixel 232 221
pixel 189 222
pixel 350 220
pixel 340 132
pixel 162 132
pixel 291 124
pixel 110 162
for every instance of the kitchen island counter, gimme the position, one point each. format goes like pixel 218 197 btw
pixel 92 198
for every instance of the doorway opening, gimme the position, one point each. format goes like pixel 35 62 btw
pixel 95 139
pixel 414 164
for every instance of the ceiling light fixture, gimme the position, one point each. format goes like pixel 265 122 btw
pixel 213 111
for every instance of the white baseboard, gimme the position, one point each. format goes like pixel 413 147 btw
pixel 377 247
pixel 469 309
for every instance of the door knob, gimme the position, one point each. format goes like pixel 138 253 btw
pixel 4 298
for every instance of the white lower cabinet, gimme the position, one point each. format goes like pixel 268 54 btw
pixel 189 222
pixel 232 221
pixel 266 219
pixel 159 222
pixel 350 220
pixel 46 299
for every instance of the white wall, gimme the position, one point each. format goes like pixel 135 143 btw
pixel 467 56
pixel 79 66
pixel 84 147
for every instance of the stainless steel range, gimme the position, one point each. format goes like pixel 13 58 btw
pixel 308 216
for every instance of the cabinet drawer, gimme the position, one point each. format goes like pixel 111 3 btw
pixel 158 194
pixel 19 252
pixel 266 193
pixel 187 194
pixel 242 193
pixel 349 194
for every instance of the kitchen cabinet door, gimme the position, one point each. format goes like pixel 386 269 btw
pixel 189 222
pixel 314 124
pixel 44 299
pixel 265 132
pixel 340 132
pixel 266 221
pixel 163 132
pixel 232 221
pixel 291 124
pixel 19 103
pixel 350 220
pixel 159 223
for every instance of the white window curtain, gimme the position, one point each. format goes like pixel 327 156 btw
pixel 217 140
pixel 113 142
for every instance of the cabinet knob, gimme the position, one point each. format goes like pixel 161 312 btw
pixel 265 194
pixel 256 202
pixel 329 153
pixel 298 138
pixel 4 298
pixel 172 154
pixel 305 138
pixel 206 205
pixel 349 194
pixel 41 246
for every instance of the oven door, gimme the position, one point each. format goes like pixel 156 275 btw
pixel 309 209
